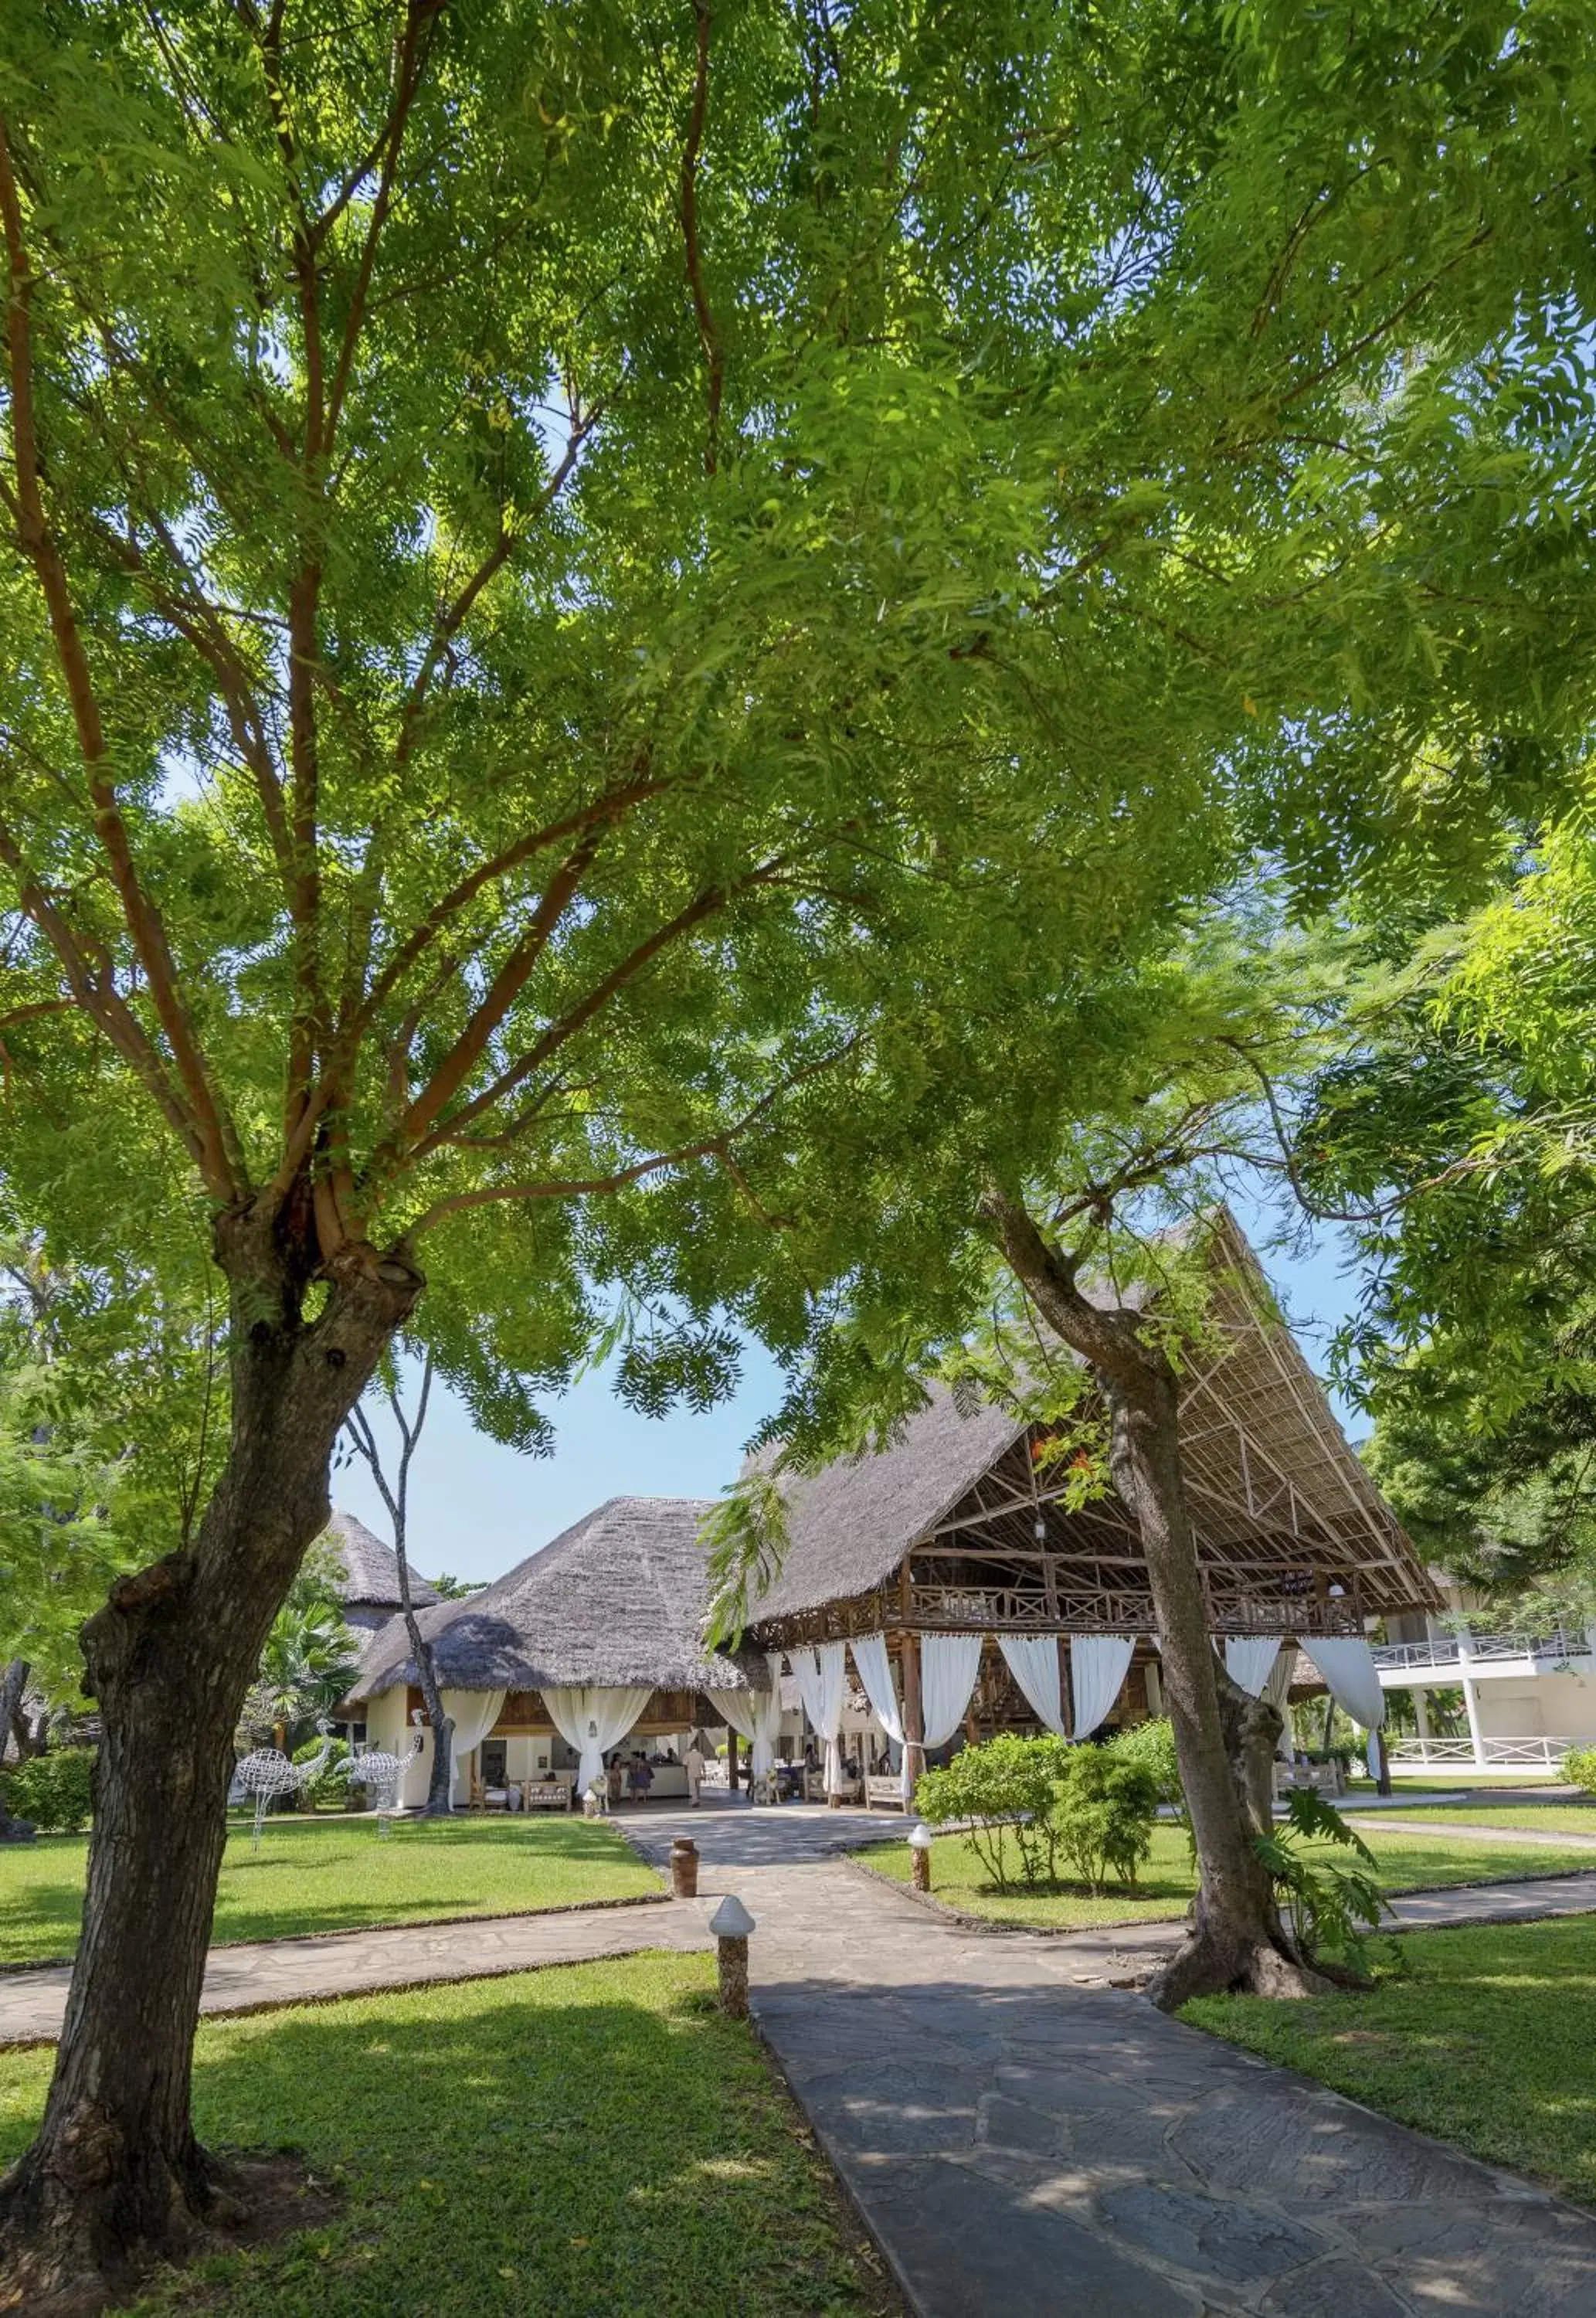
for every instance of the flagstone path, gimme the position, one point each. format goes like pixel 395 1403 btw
pixel 1025 2139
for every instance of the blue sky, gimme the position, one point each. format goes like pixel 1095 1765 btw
pixel 477 1508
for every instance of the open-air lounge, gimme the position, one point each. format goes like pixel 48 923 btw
pixel 931 1594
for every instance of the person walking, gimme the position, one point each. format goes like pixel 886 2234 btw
pixel 695 1763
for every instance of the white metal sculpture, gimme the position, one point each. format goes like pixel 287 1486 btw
pixel 267 1773
pixel 380 1774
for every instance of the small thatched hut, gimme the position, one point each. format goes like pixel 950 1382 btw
pixel 596 1639
pixel 370 1587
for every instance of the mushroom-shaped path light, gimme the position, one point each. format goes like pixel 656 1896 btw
pixel 920 1839
pixel 731 1924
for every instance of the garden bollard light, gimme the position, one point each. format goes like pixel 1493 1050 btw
pixel 919 1854
pixel 731 1924
pixel 683 1868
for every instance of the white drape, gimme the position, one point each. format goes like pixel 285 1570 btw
pixel 820 1676
pixel 1278 1686
pixel 1249 1659
pixel 876 1672
pixel 473 1713
pixel 755 1715
pixel 949 1664
pixel 592 1718
pixel 1348 1665
pixel 1097 1667
pixel 1033 1660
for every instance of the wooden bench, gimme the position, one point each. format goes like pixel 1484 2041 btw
pixel 885 1788
pixel 544 1794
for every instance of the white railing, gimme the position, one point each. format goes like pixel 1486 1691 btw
pixel 1541 1754
pixel 1451 1649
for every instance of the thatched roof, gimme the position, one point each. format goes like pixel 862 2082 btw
pixel 617 1599
pixel 371 1570
pixel 1271 1479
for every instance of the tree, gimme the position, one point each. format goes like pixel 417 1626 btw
pixel 395 1494
pixel 577 628
pixel 306 1664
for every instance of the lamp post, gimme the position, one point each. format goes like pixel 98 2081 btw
pixel 920 1852
pixel 731 1924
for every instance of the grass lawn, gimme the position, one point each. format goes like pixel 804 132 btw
pixel 1557 1819
pixel 337 1875
pixel 592 2141
pixel 1407 1863
pixel 1485 2042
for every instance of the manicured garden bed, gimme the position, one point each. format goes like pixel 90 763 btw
pixel 591 2142
pixel 338 1875
pixel 1406 1863
pixel 1484 2041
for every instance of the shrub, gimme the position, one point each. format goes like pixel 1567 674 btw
pixel 333 1786
pixel 1104 1807
pixel 1328 1902
pixel 1003 1787
pixel 1579 1768
pixel 53 1790
pixel 1152 1744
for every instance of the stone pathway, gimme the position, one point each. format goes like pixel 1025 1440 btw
pixel 1026 2145
pixel 257 1975
pixel 1526 1837
pixel 1023 2139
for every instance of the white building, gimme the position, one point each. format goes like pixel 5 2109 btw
pixel 1526 1697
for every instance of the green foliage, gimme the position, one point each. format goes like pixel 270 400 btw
pixel 1152 1744
pixel 306 1664
pixel 1579 1768
pixel 1103 1808
pixel 330 1791
pixel 1329 1902
pixel 54 1790
pixel 1004 1786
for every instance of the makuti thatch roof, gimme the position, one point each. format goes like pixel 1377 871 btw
pixel 619 1598
pixel 1271 1480
pixel 370 1589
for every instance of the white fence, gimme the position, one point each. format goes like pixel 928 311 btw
pixel 1452 1650
pixel 1541 1754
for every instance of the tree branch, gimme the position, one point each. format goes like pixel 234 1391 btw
pixel 708 336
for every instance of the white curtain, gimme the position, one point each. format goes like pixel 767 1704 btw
pixel 1033 1660
pixel 1097 1666
pixel 755 1715
pixel 876 1672
pixel 473 1713
pixel 1277 1688
pixel 949 1664
pixel 821 1673
pixel 1348 1665
pixel 1249 1660
pixel 593 1718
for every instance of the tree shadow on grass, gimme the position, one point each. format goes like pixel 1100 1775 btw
pixel 591 2144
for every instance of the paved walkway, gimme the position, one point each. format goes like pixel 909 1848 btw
pixel 1526 1837
pixel 1025 2139
pixel 256 1975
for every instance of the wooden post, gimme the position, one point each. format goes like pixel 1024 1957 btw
pixel 1383 1774
pixel 731 1759
pixel 914 1720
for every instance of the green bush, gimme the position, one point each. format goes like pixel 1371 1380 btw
pixel 1152 1746
pixel 1328 1902
pixel 1005 1786
pixel 1579 1768
pixel 331 1790
pixel 1104 1807
pixel 53 1790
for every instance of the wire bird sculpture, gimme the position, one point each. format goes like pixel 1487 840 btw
pixel 376 1769
pixel 267 1773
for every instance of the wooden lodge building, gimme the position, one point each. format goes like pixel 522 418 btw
pixel 938 1590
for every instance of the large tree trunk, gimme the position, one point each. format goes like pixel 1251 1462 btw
pixel 116 2177
pixel 1236 1939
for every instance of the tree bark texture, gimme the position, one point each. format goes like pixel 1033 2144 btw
pixel 1224 1739
pixel 440 1785
pixel 116 2177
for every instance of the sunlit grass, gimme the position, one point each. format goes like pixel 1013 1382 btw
pixel 338 1875
pixel 593 2142
pixel 1406 1862
pixel 1484 2042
